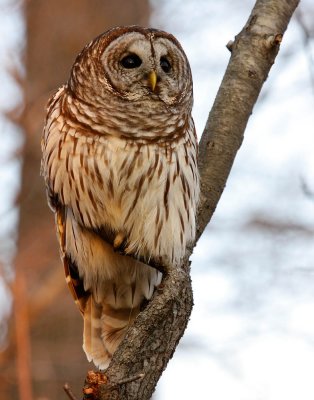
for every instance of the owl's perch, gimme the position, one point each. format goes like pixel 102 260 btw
pixel 151 341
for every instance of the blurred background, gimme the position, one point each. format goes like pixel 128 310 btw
pixel 251 335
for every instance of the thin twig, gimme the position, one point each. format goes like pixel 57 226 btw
pixel 69 392
pixel 126 380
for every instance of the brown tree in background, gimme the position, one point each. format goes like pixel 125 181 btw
pixel 56 32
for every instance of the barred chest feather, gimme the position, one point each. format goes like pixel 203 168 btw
pixel 138 192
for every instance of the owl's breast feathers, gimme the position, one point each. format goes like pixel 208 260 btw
pixel 115 195
pixel 141 191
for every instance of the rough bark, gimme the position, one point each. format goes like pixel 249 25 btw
pixel 151 341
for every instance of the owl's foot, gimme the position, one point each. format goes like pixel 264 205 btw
pixel 120 246
pixel 153 263
pixel 120 243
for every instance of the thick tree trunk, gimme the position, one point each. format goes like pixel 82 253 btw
pixel 151 341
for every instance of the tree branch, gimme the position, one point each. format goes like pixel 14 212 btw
pixel 253 54
pixel 152 339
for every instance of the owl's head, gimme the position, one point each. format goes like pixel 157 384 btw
pixel 134 64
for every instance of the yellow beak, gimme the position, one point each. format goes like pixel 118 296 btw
pixel 152 80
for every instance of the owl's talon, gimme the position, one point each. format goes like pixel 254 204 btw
pixel 126 251
pixel 153 263
pixel 120 251
pixel 119 243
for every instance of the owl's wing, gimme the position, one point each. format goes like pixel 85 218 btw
pixel 75 283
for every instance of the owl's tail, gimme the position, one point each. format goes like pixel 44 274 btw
pixel 104 329
pixel 106 322
pixel 92 343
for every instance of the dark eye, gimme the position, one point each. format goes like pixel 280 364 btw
pixel 131 61
pixel 165 64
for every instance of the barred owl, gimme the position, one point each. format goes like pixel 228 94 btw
pixel 120 167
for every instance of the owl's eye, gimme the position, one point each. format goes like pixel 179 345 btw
pixel 165 64
pixel 131 61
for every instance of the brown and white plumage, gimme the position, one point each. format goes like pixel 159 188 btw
pixel 120 166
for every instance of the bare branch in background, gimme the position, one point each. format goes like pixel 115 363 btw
pixel 307 42
pixel 69 392
pixel 306 189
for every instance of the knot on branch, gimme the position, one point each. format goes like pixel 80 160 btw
pixel 97 386
pixel 273 40
pixel 92 385
pixel 229 45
